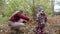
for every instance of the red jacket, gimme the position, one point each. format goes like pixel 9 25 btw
pixel 17 17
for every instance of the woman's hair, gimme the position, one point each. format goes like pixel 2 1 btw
pixel 21 11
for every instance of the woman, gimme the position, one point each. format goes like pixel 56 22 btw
pixel 16 22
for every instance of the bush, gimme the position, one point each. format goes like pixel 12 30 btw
pixel 57 13
pixel 4 19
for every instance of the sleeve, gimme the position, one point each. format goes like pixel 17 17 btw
pixel 23 17
pixel 45 18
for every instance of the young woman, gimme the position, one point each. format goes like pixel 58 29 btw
pixel 16 22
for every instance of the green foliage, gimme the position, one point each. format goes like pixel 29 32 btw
pixel 2 2
pixel 5 19
pixel 46 5
pixel 57 13
pixel 2 5
pixel 16 5
pixel 29 7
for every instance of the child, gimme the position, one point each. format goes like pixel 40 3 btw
pixel 41 19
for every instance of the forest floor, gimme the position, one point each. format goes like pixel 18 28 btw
pixel 52 26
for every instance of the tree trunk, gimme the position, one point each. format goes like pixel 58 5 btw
pixel 52 5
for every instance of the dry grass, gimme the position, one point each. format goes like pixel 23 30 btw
pixel 52 26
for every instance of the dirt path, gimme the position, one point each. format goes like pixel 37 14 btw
pixel 52 26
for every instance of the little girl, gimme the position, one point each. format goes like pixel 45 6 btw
pixel 41 19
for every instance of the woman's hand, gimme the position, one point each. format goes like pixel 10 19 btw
pixel 24 21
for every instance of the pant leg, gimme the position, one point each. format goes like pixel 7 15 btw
pixel 40 29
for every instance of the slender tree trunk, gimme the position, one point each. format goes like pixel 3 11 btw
pixel 34 10
pixel 52 5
